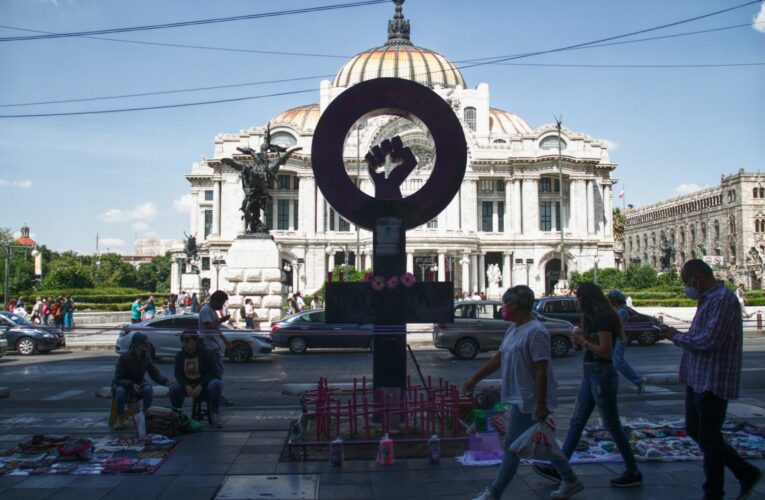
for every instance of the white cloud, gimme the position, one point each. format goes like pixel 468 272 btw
pixel 183 204
pixel 145 211
pixel 688 188
pixel 611 145
pixel 111 243
pixel 140 226
pixel 758 22
pixel 16 184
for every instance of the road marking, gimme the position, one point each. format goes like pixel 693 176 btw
pixel 64 395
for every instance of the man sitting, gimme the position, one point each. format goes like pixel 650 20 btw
pixel 129 377
pixel 197 376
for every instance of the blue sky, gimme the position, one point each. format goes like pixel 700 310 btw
pixel 122 175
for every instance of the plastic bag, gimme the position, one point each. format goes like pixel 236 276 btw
pixel 538 443
pixel 140 424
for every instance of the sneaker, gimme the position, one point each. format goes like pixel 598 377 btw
pixel 548 472
pixel 628 479
pixel 641 387
pixel 748 486
pixel 567 490
pixel 119 424
pixel 486 495
pixel 215 421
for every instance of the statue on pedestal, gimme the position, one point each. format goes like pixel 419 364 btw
pixel 258 179
pixel 190 249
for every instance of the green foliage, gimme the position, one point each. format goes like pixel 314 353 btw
pixel 113 271
pixel 640 277
pixel 67 273
pixel 351 275
pixel 155 275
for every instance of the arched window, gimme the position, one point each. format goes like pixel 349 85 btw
pixel 754 192
pixel 757 226
pixel 500 141
pixel 470 118
pixel 551 142
pixel 762 192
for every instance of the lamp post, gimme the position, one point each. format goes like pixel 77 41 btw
pixel 217 261
pixel 434 270
pixel 287 268
pixel 529 262
pixel 299 265
pixel 425 266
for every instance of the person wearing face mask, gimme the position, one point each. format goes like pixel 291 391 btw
pixel 710 368
pixel 130 377
pixel 528 385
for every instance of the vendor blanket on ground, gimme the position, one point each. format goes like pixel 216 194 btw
pixel 78 455
pixel 651 442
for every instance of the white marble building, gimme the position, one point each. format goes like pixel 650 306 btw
pixel 508 211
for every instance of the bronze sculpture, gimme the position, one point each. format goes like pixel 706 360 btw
pixel 258 179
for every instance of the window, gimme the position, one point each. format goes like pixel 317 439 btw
pixel 551 143
pixel 344 225
pixel 208 223
pixel 486 311
pixel 486 185
pixel 470 118
pixel 557 216
pixel 209 195
pixel 331 219
pixel 501 216
pixel 283 181
pixel 487 211
pixel 545 216
pixel 466 311
pixel 296 183
pixel 433 224
pixel 762 192
pixel 500 141
pixel 268 215
pixel 283 139
pixel 545 185
pixel 295 214
pixel 500 186
pixel 283 214
pixel 205 263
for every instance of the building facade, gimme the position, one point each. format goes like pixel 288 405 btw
pixel 510 210
pixel 724 225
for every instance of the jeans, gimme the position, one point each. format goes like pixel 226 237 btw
pixel 121 396
pixel 249 323
pixel 211 393
pixel 519 423
pixel 598 388
pixel 704 418
pixel 67 320
pixel 621 364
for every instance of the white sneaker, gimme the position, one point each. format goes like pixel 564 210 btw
pixel 486 495
pixel 567 490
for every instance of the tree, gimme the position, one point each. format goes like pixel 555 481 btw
pixel 112 271
pixel 155 275
pixel 640 277
pixel 620 224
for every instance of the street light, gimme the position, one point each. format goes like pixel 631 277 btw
pixel 287 268
pixel 299 264
pixel 434 270
pixel 217 261
pixel 423 266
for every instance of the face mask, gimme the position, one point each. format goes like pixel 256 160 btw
pixel 507 314
pixel 692 292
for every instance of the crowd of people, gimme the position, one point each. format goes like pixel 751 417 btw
pixel 47 311
pixel 296 303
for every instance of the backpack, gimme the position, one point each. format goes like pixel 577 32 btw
pixel 187 302
pixel 242 312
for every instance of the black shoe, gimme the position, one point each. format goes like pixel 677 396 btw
pixel 748 486
pixel 225 402
pixel 628 479
pixel 548 472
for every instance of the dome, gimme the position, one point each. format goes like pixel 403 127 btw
pixel 504 122
pixel 399 58
pixel 301 117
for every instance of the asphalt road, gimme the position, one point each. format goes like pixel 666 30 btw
pixel 67 380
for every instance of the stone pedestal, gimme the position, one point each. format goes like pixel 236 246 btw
pixel 191 283
pixel 253 272
pixel 494 292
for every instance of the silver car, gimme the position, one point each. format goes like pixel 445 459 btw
pixel 478 327
pixel 164 335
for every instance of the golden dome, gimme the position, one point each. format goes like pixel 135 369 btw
pixel 504 122
pixel 302 117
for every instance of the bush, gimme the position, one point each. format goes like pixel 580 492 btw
pixel 353 275
pixel 640 277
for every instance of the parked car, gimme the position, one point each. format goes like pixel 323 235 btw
pixel 309 329
pixel 164 335
pixel 27 338
pixel 478 327
pixel 641 328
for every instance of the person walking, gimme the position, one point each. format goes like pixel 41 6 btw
pixel 136 310
pixel 619 302
pixel 68 310
pixel 209 326
pixel 741 299
pixel 710 369
pixel 45 310
pixel 600 383
pixel 37 311
pixel 194 303
pixel 172 306
pixel 58 313
pixel 249 314
pixel 528 385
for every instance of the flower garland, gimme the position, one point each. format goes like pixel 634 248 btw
pixel 379 283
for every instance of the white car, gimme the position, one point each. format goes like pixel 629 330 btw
pixel 164 335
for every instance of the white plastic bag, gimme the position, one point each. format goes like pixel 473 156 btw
pixel 538 443
pixel 140 424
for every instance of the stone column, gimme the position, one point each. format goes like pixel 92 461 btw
pixel 291 216
pixel 517 210
pixel 473 273
pixel 608 211
pixel 507 271
pixel 410 262
pixel 494 217
pixel 482 272
pixel 465 273
pixel 590 183
pixel 531 206
pixel 274 213
pixel 330 261
pixel 509 223
pixel 194 213
pixel 175 275
pixel 295 276
pixel 217 206
pixel 320 210
pixel 307 198
pixel 441 267
pixel 470 205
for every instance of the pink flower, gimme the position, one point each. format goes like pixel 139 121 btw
pixel 378 283
pixel 408 280
pixel 393 282
pixel 368 277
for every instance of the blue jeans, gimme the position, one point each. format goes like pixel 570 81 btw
pixel 621 364
pixel 519 423
pixel 211 393
pixel 598 388
pixel 121 396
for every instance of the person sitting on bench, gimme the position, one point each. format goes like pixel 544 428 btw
pixel 129 377
pixel 196 376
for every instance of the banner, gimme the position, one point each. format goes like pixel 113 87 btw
pixel 38 264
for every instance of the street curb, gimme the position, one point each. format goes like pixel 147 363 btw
pixel 110 347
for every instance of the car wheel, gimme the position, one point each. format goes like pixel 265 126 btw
pixel 26 346
pixel 239 352
pixel 559 346
pixel 297 345
pixel 646 337
pixel 466 349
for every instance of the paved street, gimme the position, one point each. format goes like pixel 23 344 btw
pixel 55 393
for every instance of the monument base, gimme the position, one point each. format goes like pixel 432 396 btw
pixel 253 272
pixel 191 283
pixel 494 293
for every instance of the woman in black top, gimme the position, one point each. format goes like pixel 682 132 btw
pixel 601 327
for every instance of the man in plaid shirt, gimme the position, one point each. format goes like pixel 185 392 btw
pixel 710 368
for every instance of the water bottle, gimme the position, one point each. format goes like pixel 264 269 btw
pixel 434 449
pixel 385 451
pixel 336 451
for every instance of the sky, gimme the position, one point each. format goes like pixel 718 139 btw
pixel 120 176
